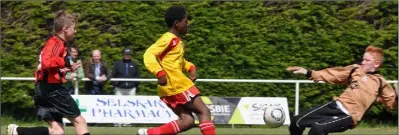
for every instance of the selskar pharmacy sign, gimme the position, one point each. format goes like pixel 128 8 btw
pixel 123 109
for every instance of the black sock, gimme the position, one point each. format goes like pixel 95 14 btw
pixel 86 133
pixel 32 131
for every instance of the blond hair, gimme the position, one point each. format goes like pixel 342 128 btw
pixel 63 18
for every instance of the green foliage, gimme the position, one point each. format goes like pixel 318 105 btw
pixel 244 40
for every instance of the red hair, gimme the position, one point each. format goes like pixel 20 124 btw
pixel 376 52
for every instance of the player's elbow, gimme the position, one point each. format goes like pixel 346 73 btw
pixel 152 67
pixel 391 105
pixel 147 54
pixel 393 108
pixel 146 59
pixel 46 66
pixel 52 63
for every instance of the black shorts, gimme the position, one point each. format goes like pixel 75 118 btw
pixel 322 119
pixel 53 102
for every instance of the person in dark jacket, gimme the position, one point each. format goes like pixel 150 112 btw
pixel 125 68
pixel 97 72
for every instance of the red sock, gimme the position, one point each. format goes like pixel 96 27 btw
pixel 207 127
pixel 170 128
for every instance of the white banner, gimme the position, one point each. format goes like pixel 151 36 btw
pixel 253 108
pixel 123 109
pixel 150 109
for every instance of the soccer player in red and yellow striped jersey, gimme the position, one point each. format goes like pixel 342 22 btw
pixel 165 59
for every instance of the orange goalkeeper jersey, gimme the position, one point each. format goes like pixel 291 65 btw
pixel 165 56
pixel 362 89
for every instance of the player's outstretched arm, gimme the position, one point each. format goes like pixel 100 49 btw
pixel 297 70
pixel 335 75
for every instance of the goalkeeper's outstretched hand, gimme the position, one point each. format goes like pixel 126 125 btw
pixel 297 70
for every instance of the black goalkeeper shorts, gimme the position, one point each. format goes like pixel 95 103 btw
pixel 53 102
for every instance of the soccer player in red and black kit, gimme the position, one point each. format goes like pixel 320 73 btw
pixel 52 100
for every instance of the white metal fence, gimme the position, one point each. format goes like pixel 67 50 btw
pixel 296 82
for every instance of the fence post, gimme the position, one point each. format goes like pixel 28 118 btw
pixel 296 98
pixel 76 87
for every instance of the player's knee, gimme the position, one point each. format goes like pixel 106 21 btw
pixel 294 129
pixel 205 111
pixel 292 126
pixel 317 130
pixel 78 120
pixel 294 119
pixel 190 123
pixel 187 123
pixel 295 122
pixel 81 119
pixel 56 131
